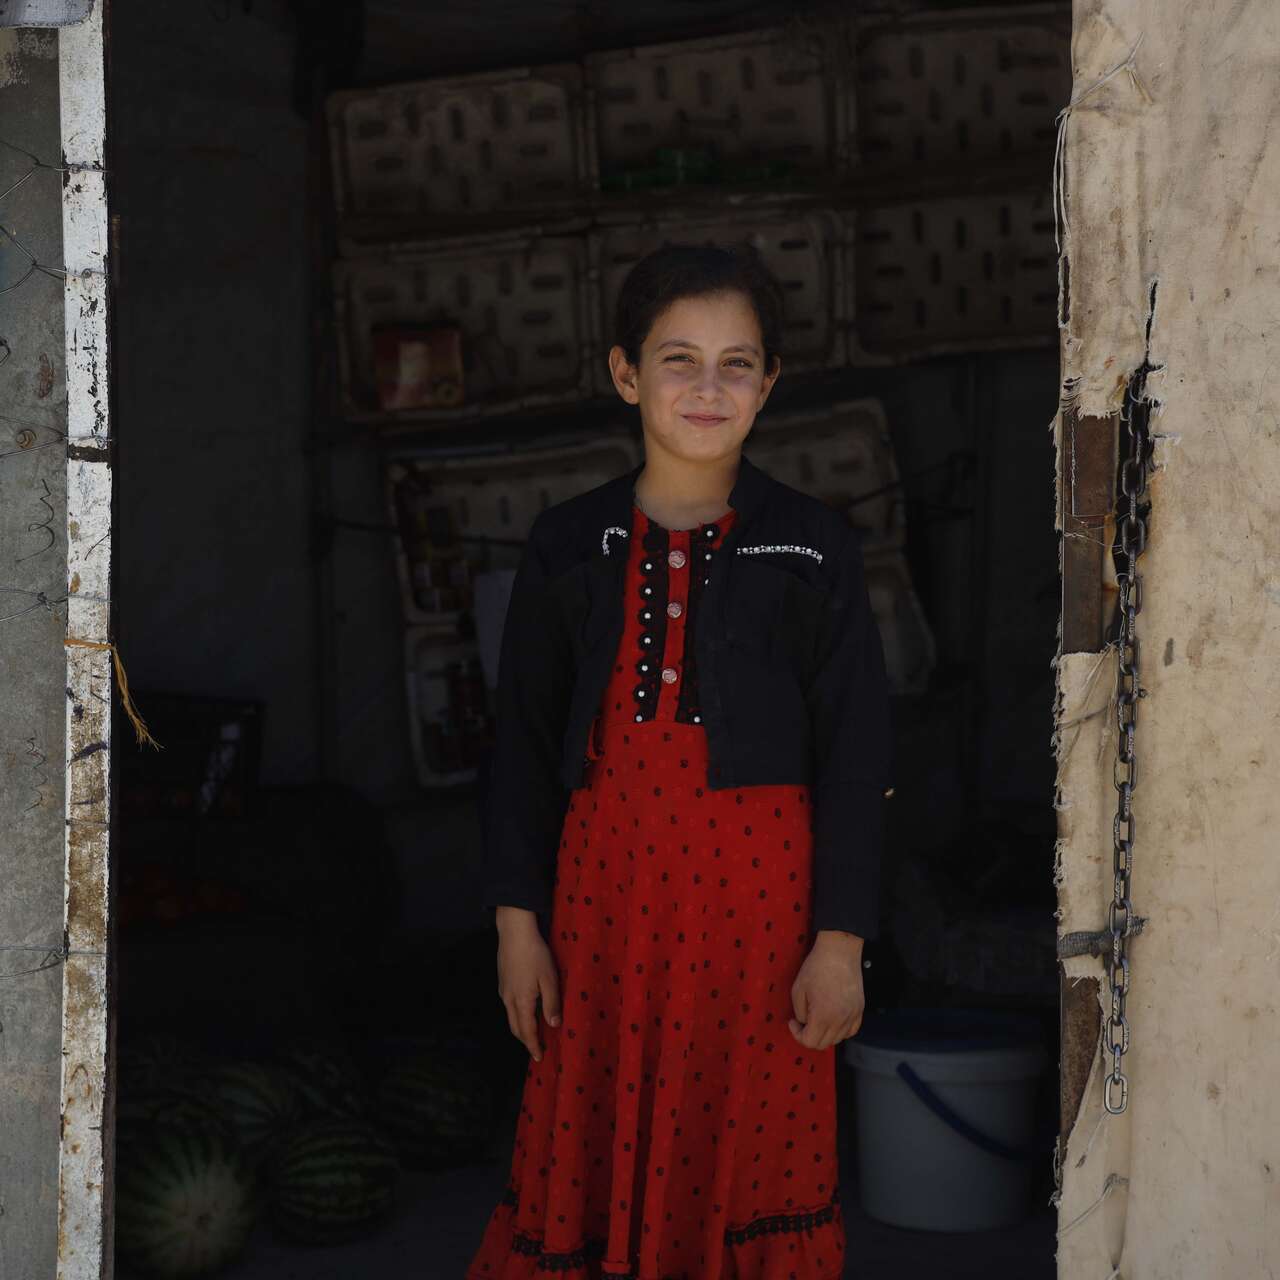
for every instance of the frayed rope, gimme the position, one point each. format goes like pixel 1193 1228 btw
pixel 1113 1180
pixel 139 725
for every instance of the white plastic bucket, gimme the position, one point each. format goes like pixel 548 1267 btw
pixel 969 1168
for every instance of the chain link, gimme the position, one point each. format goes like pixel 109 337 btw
pixel 1131 541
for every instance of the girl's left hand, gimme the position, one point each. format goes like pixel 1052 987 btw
pixel 827 993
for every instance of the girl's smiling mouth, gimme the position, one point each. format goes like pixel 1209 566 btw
pixel 705 419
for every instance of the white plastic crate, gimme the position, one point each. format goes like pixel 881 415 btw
pixel 952 274
pixel 450 712
pixel 461 145
pixel 910 651
pixel 520 302
pixel 958 89
pixel 804 248
pixel 435 502
pixel 759 99
pixel 840 455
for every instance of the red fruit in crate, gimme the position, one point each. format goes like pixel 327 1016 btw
pixel 417 368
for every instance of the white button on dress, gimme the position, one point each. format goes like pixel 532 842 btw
pixel 676 558
pixel 674 609
pixel 670 675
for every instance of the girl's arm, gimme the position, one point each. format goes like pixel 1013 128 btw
pixel 526 798
pixel 849 712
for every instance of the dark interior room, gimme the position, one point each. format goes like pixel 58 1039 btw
pixel 366 255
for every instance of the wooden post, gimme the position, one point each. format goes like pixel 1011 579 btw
pixel 1086 482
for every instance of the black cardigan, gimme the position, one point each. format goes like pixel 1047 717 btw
pixel 792 685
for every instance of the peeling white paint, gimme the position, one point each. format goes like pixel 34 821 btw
pixel 84 1169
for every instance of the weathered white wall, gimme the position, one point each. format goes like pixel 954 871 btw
pixel 1172 175
pixel 33 665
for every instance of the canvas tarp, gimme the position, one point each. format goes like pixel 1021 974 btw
pixel 1170 178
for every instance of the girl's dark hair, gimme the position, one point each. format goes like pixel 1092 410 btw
pixel 692 271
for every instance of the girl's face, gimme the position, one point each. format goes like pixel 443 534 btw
pixel 701 379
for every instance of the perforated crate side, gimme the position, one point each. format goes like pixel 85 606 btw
pixel 496 496
pixel 803 249
pixel 764 97
pixel 955 90
pixel 522 306
pixel 910 650
pixel 959 273
pixel 839 454
pixel 427 657
pixel 460 145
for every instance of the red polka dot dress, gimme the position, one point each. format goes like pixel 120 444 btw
pixel 674 1129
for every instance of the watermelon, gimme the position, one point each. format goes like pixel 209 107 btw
pixel 172 1110
pixel 258 1102
pixel 335 1181
pixel 439 1112
pixel 186 1202
pixel 325 1080
pixel 158 1059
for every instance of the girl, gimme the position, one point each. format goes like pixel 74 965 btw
pixel 692 748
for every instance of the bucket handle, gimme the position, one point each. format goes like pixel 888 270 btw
pixel 957 1122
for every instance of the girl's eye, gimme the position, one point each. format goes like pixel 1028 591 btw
pixel 740 362
pixel 678 356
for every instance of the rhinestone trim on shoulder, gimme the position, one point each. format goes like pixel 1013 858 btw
pixel 613 528
pixel 782 546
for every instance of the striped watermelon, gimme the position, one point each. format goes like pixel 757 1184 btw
pixel 174 1110
pixel 257 1101
pixel 158 1059
pixel 186 1202
pixel 439 1112
pixel 335 1181
pixel 325 1080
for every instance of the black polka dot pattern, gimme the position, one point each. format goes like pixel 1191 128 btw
pixel 674 1128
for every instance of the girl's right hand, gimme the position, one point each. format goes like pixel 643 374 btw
pixel 526 970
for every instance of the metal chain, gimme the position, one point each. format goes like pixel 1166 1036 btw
pixel 1131 541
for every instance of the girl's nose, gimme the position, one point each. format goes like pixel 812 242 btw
pixel 708 381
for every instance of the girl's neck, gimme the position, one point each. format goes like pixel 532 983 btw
pixel 682 495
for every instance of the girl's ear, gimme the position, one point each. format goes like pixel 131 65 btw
pixel 767 382
pixel 625 375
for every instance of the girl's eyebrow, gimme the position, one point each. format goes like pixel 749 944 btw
pixel 693 346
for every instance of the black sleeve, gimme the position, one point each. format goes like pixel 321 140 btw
pixel 849 714
pixel 526 797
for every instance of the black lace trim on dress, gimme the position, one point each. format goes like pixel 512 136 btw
pixel 780 1222
pixel 702 551
pixel 594 1246
pixel 652 616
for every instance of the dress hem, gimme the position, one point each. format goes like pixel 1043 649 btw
pixel 508 1253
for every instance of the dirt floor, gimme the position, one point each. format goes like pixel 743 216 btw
pixel 442 1216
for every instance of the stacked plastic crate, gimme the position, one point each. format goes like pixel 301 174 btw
pixel 954 243
pixel 462 293
pixel 486 223
pixel 461 523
